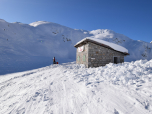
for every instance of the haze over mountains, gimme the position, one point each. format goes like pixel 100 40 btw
pixel 29 46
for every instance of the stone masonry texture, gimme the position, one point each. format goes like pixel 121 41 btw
pixel 96 55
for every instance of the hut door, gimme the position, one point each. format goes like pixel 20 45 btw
pixel 115 60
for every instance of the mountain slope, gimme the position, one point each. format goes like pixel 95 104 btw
pixel 24 47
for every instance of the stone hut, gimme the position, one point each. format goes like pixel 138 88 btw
pixel 94 52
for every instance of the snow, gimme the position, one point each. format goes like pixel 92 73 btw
pixel 112 45
pixel 102 33
pixel 35 24
pixel 151 42
pixel 70 88
pixel 31 46
pixel 2 20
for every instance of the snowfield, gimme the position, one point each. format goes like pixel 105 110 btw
pixel 73 89
pixel 30 46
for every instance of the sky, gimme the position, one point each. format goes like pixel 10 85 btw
pixel 133 18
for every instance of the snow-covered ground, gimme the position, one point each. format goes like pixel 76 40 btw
pixel 69 88
pixel 72 89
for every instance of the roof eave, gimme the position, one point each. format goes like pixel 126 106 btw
pixel 87 40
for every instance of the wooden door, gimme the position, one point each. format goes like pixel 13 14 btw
pixel 115 60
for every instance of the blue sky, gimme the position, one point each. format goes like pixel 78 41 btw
pixel 132 18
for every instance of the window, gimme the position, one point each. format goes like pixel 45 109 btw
pixel 83 57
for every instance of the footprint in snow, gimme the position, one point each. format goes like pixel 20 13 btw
pixel 115 111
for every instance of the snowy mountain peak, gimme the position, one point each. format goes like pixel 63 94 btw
pixel 151 42
pixel 37 23
pixel 33 45
pixel 99 31
pixel 1 20
pixel 102 33
pixel 107 35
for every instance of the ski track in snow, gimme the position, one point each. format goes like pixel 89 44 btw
pixel 72 89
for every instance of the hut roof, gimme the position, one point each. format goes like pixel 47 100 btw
pixel 104 44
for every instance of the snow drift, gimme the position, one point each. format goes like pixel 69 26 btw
pixel 28 46
pixel 72 89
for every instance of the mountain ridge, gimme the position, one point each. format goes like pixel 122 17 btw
pixel 28 46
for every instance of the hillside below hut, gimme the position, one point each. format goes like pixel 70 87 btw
pixel 95 52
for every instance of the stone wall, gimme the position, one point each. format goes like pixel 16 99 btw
pixel 100 56
pixel 81 55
